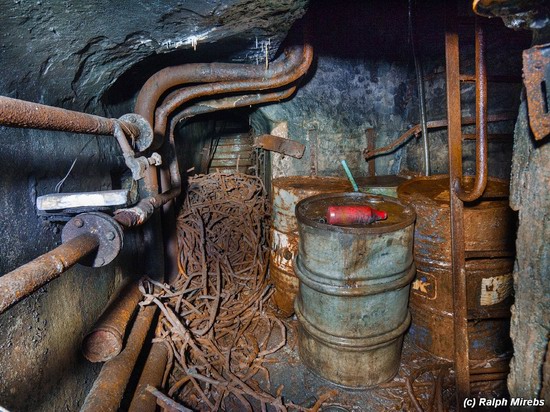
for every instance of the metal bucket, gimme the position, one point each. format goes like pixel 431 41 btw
pixel 489 227
pixel 287 192
pixel 380 185
pixel 354 289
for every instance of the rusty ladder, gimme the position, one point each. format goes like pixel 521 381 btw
pixel 458 195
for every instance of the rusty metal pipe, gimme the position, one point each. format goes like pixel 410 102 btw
pixel 170 77
pixel 189 93
pixel 233 102
pixel 434 124
pixel 140 213
pixel 452 70
pixel 152 374
pixel 20 113
pixel 108 389
pixel 480 181
pixel 106 338
pixel 26 279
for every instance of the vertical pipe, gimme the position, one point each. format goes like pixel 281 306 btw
pixel 421 93
pixel 24 280
pixel 452 69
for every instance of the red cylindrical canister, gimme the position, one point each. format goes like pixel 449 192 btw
pixel 353 215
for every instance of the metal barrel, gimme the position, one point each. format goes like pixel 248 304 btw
pixel 489 237
pixel 232 153
pixel 352 304
pixel 380 185
pixel 287 192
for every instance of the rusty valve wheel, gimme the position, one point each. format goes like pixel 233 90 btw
pixel 107 230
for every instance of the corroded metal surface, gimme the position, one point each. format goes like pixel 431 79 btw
pixel 170 77
pixel 20 113
pixel 104 228
pixel 152 375
pixel 536 77
pixel 354 287
pixel 26 279
pixel 281 145
pixel 301 62
pixel 106 338
pixel 287 192
pixel 489 226
pixel 108 389
pixel 380 185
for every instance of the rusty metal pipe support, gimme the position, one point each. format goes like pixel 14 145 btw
pixel 480 181
pixel 26 279
pixel 137 165
pixel 21 113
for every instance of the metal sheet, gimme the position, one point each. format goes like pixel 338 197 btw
pixel 281 145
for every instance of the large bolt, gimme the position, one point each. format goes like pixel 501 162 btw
pixel 110 235
pixel 78 222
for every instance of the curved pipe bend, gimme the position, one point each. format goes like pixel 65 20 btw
pixel 480 181
pixel 170 77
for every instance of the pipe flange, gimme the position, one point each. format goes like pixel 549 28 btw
pixel 145 138
pixel 107 230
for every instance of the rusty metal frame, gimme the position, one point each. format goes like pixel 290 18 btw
pixel 457 193
pixel 536 77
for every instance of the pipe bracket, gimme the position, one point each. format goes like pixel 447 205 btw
pixel 142 141
pixel 107 230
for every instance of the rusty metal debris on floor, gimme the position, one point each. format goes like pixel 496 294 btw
pixel 215 318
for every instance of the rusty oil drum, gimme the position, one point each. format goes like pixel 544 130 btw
pixel 287 192
pixel 352 304
pixel 489 228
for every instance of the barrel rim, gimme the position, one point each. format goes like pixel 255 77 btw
pixel 365 287
pixel 445 203
pixel 408 212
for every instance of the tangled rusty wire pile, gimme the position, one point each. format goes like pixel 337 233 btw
pixel 214 317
